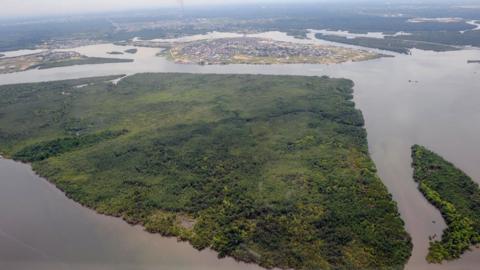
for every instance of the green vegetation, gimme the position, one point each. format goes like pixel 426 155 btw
pixel 394 44
pixel 273 170
pixel 44 150
pixel 81 61
pixel 456 196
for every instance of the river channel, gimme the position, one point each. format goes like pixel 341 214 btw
pixel 427 98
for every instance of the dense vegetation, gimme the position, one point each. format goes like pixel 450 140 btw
pixel 81 61
pixel 394 44
pixel 268 169
pixel 456 196
pixel 44 150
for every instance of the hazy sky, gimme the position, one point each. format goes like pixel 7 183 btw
pixel 15 8
pixel 22 8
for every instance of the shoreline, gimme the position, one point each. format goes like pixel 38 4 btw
pixel 139 225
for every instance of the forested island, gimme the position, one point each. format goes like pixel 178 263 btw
pixel 457 197
pixel 273 170
pixel 131 51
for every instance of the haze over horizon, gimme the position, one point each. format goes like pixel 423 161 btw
pixel 30 8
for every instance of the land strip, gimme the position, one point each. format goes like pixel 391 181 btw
pixel 51 59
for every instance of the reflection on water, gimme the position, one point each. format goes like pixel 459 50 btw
pixel 427 98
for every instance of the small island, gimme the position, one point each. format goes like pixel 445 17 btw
pixel 251 50
pixel 51 59
pixel 131 51
pixel 473 61
pixel 272 170
pixel 457 197
pixel 115 53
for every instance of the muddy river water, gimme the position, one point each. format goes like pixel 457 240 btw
pixel 427 98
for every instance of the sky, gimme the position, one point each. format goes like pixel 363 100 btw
pixel 28 8
pixel 25 8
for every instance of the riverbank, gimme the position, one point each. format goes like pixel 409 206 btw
pixel 88 239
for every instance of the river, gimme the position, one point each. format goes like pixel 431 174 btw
pixel 427 98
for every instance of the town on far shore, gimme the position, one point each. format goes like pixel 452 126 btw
pixel 254 50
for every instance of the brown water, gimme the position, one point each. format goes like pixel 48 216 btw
pixel 438 108
pixel 41 229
